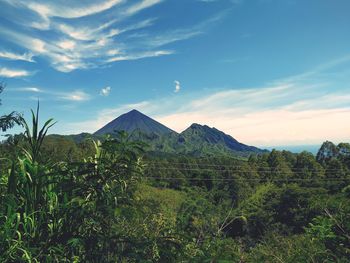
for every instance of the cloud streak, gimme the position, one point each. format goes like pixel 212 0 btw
pixel 148 54
pixel 14 56
pixel 74 96
pixel 52 10
pixel 14 73
pixel 29 89
pixel 141 5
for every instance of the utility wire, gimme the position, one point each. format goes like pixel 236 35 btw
pixel 225 165
pixel 237 170
pixel 248 179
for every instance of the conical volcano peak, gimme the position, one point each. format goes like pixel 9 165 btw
pixel 134 120
pixel 134 112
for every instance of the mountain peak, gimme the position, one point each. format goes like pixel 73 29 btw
pixel 199 126
pixel 133 111
pixel 195 126
pixel 202 133
pixel 132 121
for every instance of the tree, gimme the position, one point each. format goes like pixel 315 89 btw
pixel 10 120
pixel 335 172
pixel 278 166
pixel 308 169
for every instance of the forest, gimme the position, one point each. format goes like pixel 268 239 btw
pixel 112 201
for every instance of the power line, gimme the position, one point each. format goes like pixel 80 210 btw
pixel 260 168
pixel 247 179
pixel 301 171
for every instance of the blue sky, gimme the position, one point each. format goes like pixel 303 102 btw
pixel 267 72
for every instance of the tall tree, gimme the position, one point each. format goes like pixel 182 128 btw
pixel 10 120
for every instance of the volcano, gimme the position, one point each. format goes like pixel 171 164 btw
pixel 134 121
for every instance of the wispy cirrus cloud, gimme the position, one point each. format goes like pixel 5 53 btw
pixel 77 95
pixel 14 73
pixel 28 89
pixel 47 10
pixel 136 56
pixel 69 95
pixel 15 56
pixel 100 31
pixel 75 39
pixel 141 5
pixel 64 11
pixel 170 37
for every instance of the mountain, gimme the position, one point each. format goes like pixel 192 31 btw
pixel 206 139
pixel 196 140
pixel 134 121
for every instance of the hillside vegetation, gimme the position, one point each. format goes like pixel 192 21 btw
pixel 108 201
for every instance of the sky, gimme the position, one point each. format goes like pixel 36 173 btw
pixel 267 72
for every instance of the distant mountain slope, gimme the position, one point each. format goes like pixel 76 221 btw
pixel 205 139
pixel 134 121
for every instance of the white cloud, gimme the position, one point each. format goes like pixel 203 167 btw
pixel 67 44
pixel 27 89
pixel 141 5
pixel 77 33
pixel 113 52
pixel 61 57
pixel 37 45
pixel 64 11
pixel 76 41
pixel 105 91
pixel 85 33
pixel 13 56
pixel 68 55
pixel 74 96
pixel 14 73
pixel 177 86
pixel 147 54
pixel 170 37
pixel 30 89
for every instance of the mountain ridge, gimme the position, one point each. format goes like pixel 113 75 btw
pixel 215 136
pixel 196 140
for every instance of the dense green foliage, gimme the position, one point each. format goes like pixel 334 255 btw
pixel 10 120
pixel 109 201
